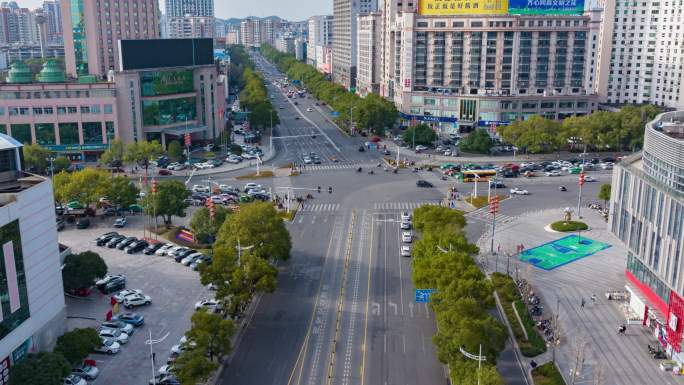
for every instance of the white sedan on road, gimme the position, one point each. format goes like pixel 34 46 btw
pixel 406 237
pixel 405 251
pixel 589 178
pixel 553 173
pixel 517 191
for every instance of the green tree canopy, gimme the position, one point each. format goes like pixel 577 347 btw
pixel 122 192
pixel 424 135
pixel 114 154
pixel 82 269
pixel 203 227
pixel 142 152
pixel 194 367
pixel 75 345
pixel 174 149
pixel 478 142
pixel 431 218
pixel 211 333
pixel 534 135
pixel 604 193
pixel 61 163
pixel 169 201
pixel 86 186
pixel 44 368
pixel 35 158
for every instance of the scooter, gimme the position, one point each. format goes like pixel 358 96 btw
pixel 370 172
pixel 359 169
pixel 562 188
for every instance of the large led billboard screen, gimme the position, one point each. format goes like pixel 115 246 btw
pixel 155 83
pixel 160 53
pixel 462 7
pixel 500 7
pixel 546 7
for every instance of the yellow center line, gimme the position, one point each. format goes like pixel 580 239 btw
pixel 300 357
pixel 365 326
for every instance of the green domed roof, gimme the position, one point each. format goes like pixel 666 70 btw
pixel 51 73
pixel 20 73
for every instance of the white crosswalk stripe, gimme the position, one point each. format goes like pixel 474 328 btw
pixel 320 207
pixel 402 205
pixel 337 166
pixel 484 216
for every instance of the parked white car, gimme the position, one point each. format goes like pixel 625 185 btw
pixel 518 191
pixel 114 335
pixel 164 249
pixel 200 188
pixel 137 300
pixel 108 346
pixel 212 305
pixel 120 296
pixel 252 186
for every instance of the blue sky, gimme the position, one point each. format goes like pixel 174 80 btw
pixel 295 10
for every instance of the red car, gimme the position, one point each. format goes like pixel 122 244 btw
pixel 165 172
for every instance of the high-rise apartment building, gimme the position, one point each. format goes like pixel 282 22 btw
pixel 190 18
pixel 319 37
pixel 180 8
pixel 254 32
pixel 646 53
pixel 647 214
pixel 369 40
pixel 53 17
pixel 460 69
pixel 17 25
pixel 92 30
pixel 344 52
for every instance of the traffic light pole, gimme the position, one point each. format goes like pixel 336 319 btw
pixel 579 197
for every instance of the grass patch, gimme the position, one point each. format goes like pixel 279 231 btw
pixel 262 174
pixel 508 292
pixel 287 216
pixel 481 201
pixel 547 374
pixel 569 226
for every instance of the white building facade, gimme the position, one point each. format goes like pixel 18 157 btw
pixel 33 310
pixel 344 51
pixel 368 65
pixel 319 37
pixel 459 71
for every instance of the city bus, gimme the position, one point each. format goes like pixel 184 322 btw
pixel 476 175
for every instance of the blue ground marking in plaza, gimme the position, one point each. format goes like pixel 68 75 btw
pixel 562 251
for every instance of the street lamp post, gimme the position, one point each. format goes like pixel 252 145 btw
pixel 52 168
pixel 241 249
pixel 351 119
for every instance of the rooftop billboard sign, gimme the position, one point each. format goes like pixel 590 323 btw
pixel 500 7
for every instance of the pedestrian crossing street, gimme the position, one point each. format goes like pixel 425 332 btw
pixel 320 207
pixel 484 216
pixel 402 205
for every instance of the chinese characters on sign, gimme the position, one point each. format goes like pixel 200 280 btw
pixel 463 7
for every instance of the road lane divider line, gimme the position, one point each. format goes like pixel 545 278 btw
pixel 340 302
pixel 365 326
pixel 301 355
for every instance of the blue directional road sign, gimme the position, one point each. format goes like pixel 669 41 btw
pixel 423 295
pixel 335 114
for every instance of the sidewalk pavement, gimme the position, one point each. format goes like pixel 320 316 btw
pixel 592 329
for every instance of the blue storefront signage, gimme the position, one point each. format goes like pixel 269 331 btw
pixel 428 118
pixel 22 350
pixel 335 114
pixel 77 147
pixel 545 7
pixel 488 123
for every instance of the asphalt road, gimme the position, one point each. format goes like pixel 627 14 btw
pixel 344 310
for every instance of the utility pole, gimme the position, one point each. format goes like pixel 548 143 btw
pixel 579 197
pixel 494 209
pixel 556 331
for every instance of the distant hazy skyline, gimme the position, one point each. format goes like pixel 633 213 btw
pixel 295 10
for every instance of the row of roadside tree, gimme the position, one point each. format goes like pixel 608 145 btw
pixel 372 113
pixel 463 297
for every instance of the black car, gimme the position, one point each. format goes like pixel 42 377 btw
pixel 136 247
pixel 423 183
pixel 362 149
pixel 179 256
pixel 115 284
pixel 83 223
pixel 121 245
pixel 496 184
pixel 106 237
pixel 152 248
pixel 115 241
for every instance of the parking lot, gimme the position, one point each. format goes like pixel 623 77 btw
pixel 174 289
